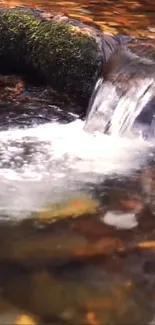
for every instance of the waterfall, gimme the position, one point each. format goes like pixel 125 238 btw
pixel 119 99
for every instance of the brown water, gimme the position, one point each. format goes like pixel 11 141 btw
pixel 90 258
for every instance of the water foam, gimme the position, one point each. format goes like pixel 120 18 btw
pixel 54 145
pixel 49 162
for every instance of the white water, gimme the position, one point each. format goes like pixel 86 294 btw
pixel 113 110
pixel 47 163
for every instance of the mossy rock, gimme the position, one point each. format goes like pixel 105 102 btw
pixel 64 53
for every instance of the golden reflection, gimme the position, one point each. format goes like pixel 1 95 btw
pixel 150 244
pixel 91 319
pixel 25 320
pixel 72 208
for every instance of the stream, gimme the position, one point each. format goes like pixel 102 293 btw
pixel 77 208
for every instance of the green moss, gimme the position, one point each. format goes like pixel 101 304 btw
pixel 52 51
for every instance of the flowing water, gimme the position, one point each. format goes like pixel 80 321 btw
pixel 33 156
pixel 116 114
pixel 83 251
pixel 123 96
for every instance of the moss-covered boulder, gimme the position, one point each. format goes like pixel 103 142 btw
pixel 62 52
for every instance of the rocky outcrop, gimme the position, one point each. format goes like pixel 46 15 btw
pixel 63 53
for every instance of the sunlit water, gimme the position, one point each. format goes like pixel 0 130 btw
pixel 46 163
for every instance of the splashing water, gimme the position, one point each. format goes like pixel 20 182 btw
pixel 48 163
pixel 114 112
pixel 38 164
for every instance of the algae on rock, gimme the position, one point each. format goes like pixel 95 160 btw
pixel 53 52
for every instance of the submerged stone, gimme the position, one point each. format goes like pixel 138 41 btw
pixel 120 220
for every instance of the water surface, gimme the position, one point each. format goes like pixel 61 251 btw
pixel 77 209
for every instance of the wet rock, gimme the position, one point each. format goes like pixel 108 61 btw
pixel 61 52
